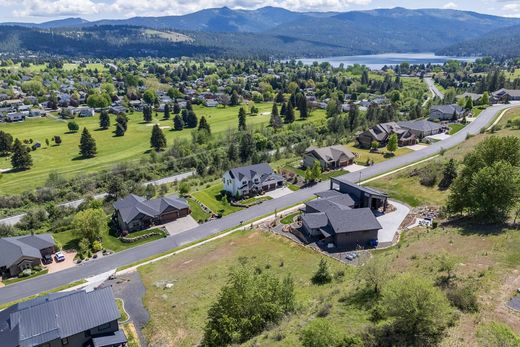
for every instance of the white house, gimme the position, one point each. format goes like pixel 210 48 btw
pixel 251 180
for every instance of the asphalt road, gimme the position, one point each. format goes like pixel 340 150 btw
pixel 431 85
pixel 47 282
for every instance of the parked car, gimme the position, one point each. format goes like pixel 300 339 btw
pixel 47 259
pixel 59 257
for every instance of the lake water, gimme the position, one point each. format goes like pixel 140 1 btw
pixel 377 61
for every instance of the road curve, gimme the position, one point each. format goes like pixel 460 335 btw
pixel 431 85
pixel 47 282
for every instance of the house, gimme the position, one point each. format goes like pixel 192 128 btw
pixel 136 213
pixel 251 180
pixel 381 133
pixel 83 112
pixel 505 95
pixel 332 157
pixel 446 112
pixel 117 110
pixel 343 217
pixel 421 128
pixel 24 252
pixel 14 117
pixel 473 96
pixel 72 319
pixel 210 103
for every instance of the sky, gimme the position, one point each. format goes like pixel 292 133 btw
pixel 44 10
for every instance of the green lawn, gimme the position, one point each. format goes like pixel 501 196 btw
pixel 364 154
pixel 197 212
pixel 289 218
pixel 133 146
pixel 122 312
pixel 212 198
pixel 19 279
pixel 455 128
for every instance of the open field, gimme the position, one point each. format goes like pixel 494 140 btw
pixel 132 146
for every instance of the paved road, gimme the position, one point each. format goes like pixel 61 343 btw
pixel 91 268
pixel 15 219
pixel 433 88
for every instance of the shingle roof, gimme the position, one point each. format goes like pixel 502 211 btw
pixel 13 248
pixel 315 220
pixel 56 316
pixel 420 125
pixel 360 219
pixel 248 172
pixel 447 109
pixel 331 153
pixel 133 205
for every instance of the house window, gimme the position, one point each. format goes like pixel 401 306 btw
pixel 104 327
pixel 64 341
pixel 87 333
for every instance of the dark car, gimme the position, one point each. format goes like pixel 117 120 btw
pixel 47 259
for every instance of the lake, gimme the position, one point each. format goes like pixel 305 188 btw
pixel 377 61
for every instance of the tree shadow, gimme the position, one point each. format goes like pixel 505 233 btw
pixel 468 226
pixel 71 132
pixel 80 157
pixel 362 298
pixel 100 129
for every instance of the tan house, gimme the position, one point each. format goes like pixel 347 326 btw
pixel 330 158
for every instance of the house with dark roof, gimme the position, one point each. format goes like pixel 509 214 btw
pixel 381 133
pixel 251 180
pixel 446 112
pixel 136 213
pixel 504 95
pixel 422 128
pixel 72 319
pixel 338 219
pixel 362 196
pixel 330 158
pixel 24 252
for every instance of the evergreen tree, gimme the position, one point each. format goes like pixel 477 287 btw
pixel 283 110
pixel 391 146
pixel 121 125
pixel 166 111
pixel 353 117
pixel 191 120
pixel 104 120
pixel 279 98
pixel 204 125
pixel 73 126
pixel 87 145
pixel 21 157
pixel 6 142
pixel 147 113
pixel 232 152
pixel 364 77
pixel 469 104
pixel 304 112
pixel 242 119
pixel 184 115
pixel 234 101
pixel 189 106
pixel 247 147
pixel 178 123
pixel 449 174
pixel 485 99
pixel 274 110
pixel 176 108
pixel 157 140
pixel 289 114
pixel 322 275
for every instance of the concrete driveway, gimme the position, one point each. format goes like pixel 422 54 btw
pixel 354 168
pixel 439 137
pixel 417 147
pixel 391 222
pixel 278 193
pixel 62 265
pixel 181 225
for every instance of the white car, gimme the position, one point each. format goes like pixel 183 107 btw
pixel 59 257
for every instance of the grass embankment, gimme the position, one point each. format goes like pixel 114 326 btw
pixel 214 200
pixel 19 279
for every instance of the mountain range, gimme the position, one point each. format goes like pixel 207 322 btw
pixel 272 31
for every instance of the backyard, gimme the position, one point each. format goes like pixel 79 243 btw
pixel 214 200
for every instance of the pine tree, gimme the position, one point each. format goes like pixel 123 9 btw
pixel 234 101
pixel 204 125
pixel 191 120
pixel 87 145
pixel 364 77
pixel 279 98
pixel 176 108
pixel 21 157
pixel 304 113
pixel 242 119
pixel 104 120
pixel 147 114
pixel 449 174
pixel 289 114
pixel 157 140
pixel 283 110
pixel 274 110
pixel 189 106
pixel 232 152
pixel 166 111
pixel 353 115
pixel 6 143
pixel 247 147
pixel 178 123
pixel 121 125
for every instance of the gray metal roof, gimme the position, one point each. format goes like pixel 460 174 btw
pixel 248 172
pixel 132 206
pixel 44 319
pixel 13 248
pixel 346 221
pixel 116 338
pixel 367 190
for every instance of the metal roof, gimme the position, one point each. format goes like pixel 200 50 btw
pixel 13 248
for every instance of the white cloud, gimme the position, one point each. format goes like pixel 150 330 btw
pixel 129 8
pixel 450 5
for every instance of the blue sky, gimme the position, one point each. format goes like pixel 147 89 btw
pixel 44 10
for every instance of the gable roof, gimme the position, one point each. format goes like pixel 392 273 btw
pixel 13 248
pixel 262 170
pixel 420 125
pixel 447 109
pixel 510 92
pixel 54 316
pixel 133 205
pixel 330 154
pixel 364 189
pixel 360 219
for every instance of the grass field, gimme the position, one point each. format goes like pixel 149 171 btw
pixel 197 212
pixel 213 200
pixel 455 128
pixel 133 146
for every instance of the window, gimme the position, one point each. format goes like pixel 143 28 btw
pixel 103 327
pixel 64 341
pixel 87 333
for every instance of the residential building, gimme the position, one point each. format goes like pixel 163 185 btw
pixel 330 158
pixel 251 180
pixel 210 103
pixel 71 319
pixel 15 117
pixel 421 128
pixel 505 95
pixel 24 252
pixel 381 133
pixel 446 112
pixel 136 213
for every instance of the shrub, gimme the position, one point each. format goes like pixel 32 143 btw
pixel 463 298
pixel 497 334
pixel 97 246
pixel 322 275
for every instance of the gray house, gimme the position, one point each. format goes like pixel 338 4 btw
pixel 446 112
pixel 24 252
pixel 334 218
pixel 505 95
pixel 251 180
pixel 332 157
pixel 381 133
pixel 72 319
pixel 136 213
pixel 421 127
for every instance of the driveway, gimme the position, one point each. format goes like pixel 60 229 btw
pixel 416 147
pixel 354 168
pixel 278 193
pixel 391 222
pixel 181 225
pixel 62 265
pixel 439 137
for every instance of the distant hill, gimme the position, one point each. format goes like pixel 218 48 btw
pixel 502 43
pixel 271 31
